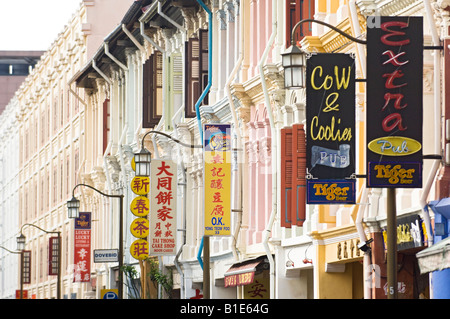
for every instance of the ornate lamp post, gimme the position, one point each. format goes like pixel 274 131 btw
pixel 21 240
pixel 73 207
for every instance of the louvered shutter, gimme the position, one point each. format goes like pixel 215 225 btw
pixel 192 76
pixel 152 90
pixel 286 177
pixel 299 175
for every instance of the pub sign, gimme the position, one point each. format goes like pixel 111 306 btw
pixel 330 116
pixel 394 103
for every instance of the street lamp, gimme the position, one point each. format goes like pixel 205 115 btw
pixel 294 64
pixel 142 162
pixel 143 159
pixel 21 240
pixel 294 59
pixel 73 207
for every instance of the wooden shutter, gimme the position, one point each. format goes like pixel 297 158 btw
pixel 192 76
pixel 286 177
pixel 204 63
pixel 297 10
pixel 105 124
pixel 299 175
pixel 197 69
pixel 152 90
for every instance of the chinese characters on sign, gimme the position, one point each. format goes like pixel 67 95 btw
pixel 140 207
pixel 217 179
pixel 394 103
pixel 163 203
pixel 330 116
pixel 82 249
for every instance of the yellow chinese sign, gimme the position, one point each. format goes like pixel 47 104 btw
pixel 140 206
pixel 217 179
pixel 139 249
pixel 140 228
pixel 140 185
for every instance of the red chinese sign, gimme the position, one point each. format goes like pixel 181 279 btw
pixel 163 204
pixel 82 249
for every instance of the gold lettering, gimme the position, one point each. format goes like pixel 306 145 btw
pixel 329 133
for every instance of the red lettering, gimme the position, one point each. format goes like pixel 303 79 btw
pixel 398 98
pixel 385 27
pixel 396 118
pixel 390 79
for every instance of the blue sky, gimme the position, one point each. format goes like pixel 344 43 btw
pixel 33 24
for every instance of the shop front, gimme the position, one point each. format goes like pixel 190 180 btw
pixel 250 277
pixel 338 272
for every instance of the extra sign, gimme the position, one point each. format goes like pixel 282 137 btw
pixel 394 103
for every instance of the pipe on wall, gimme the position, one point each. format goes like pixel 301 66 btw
pixel 273 213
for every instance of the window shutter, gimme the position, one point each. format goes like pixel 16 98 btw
pixel 152 90
pixel 105 124
pixel 192 76
pixel 286 177
pixel 204 63
pixel 177 71
pixel 299 175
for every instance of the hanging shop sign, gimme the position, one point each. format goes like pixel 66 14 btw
pixel 411 233
pixel 163 207
pixel 53 256
pixel 330 116
pixel 331 192
pixel 394 103
pixel 82 249
pixel 217 179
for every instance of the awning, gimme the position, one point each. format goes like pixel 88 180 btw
pixel 436 257
pixel 441 206
pixel 242 273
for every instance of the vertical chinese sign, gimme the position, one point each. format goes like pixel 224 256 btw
pixel 139 228
pixel 163 205
pixel 217 179
pixel 82 249
pixel 394 103
pixel 330 116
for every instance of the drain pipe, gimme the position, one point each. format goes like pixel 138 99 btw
pixel 200 100
pixel 270 223
pixel 437 121
pixel 239 146
pixel 184 184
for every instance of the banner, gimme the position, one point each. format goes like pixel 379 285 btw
pixel 163 207
pixel 394 103
pixel 217 179
pixel 82 248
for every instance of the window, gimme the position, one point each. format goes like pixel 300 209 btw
pixel 298 10
pixel 152 90
pixel 196 71
pixel 293 176
pixel 105 124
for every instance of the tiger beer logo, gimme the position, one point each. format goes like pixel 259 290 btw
pixel 331 192
pixel 395 174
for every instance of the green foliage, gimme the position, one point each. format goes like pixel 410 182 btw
pixel 158 277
